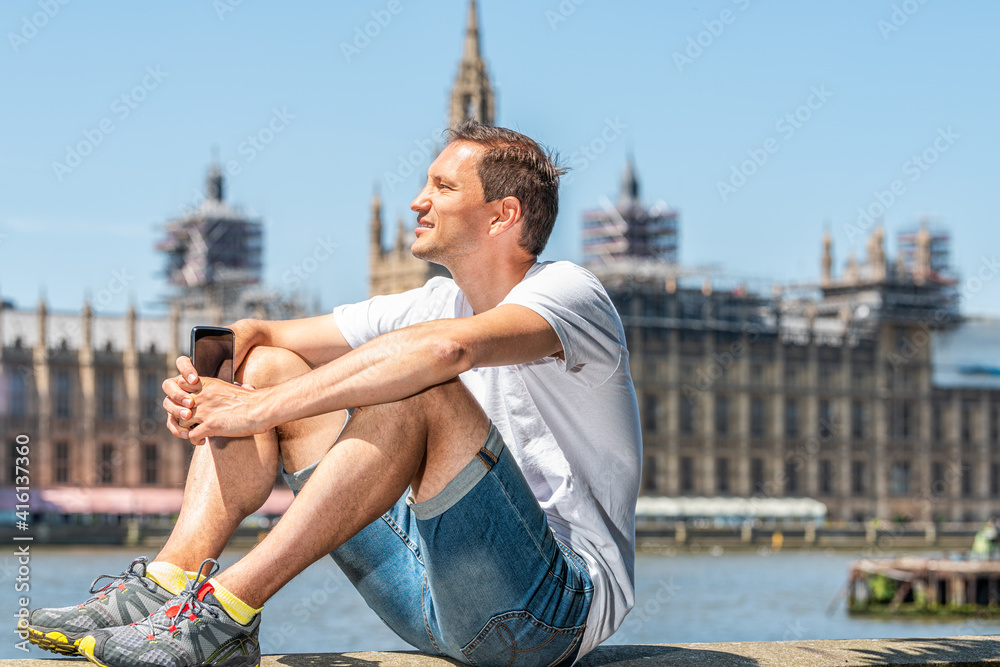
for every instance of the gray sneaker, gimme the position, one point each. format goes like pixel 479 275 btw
pixel 129 596
pixel 190 630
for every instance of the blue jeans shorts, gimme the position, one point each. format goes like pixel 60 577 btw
pixel 474 573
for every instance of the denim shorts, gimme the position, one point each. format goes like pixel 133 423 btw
pixel 474 573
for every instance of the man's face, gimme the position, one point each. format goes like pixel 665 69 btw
pixel 452 218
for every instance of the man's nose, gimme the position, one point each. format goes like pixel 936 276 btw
pixel 420 203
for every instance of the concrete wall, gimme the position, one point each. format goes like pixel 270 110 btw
pixel 964 651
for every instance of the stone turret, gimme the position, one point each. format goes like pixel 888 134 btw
pixel 376 225
pixel 472 95
pixel 827 258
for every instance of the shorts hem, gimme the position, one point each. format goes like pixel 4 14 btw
pixel 296 480
pixel 464 481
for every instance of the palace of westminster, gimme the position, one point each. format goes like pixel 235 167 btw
pixel 866 391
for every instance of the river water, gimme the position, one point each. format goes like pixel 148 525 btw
pixel 680 598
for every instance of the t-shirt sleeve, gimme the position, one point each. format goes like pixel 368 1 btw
pixel 575 304
pixel 361 322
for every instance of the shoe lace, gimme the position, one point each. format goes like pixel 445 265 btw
pixel 136 571
pixel 187 601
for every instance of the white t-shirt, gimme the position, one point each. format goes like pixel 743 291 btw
pixel 572 425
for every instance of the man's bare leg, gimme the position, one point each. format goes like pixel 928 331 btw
pixel 422 442
pixel 230 479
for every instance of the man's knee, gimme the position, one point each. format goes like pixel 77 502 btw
pixel 268 366
pixel 441 405
pixel 447 392
pixel 450 409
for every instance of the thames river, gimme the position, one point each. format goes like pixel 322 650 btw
pixel 719 597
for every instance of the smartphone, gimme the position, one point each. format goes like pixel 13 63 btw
pixel 212 352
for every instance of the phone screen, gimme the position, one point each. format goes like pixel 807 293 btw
pixel 212 350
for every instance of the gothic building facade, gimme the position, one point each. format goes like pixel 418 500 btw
pixel 395 269
pixel 85 387
pixel 869 392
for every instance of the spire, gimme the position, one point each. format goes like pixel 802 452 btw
pixel 43 319
pixel 879 261
pixel 376 223
pixel 214 185
pixel 401 246
pixel 922 263
pixel 851 275
pixel 88 325
pixel 471 50
pixel 131 322
pixel 472 94
pixel 827 262
pixel 174 321
pixel 629 195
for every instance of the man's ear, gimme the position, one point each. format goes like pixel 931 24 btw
pixel 508 215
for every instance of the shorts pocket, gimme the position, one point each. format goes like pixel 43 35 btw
pixel 518 638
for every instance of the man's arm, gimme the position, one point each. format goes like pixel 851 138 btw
pixel 317 340
pixel 389 368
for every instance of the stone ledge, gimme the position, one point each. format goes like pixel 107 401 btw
pixel 964 651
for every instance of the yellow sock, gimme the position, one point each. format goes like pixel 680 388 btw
pixel 241 612
pixel 168 575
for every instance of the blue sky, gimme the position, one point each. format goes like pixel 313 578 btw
pixel 692 89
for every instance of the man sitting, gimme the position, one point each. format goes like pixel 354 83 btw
pixel 468 452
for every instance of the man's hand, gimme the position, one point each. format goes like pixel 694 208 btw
pixel 248 333
pixel 198 408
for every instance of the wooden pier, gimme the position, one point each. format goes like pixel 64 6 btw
pixel 924 585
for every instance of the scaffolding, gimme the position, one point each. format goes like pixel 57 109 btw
pixel 214 254
pixel 628 229
pixel 924 254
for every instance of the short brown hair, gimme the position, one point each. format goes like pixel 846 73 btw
pixel 514 165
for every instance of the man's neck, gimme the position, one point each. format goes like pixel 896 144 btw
pixel 485 286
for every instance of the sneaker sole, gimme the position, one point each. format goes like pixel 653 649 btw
pixel 53 641
pixel 86 649
pixel 87 644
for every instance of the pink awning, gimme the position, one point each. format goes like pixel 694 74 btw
pixel 78 500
